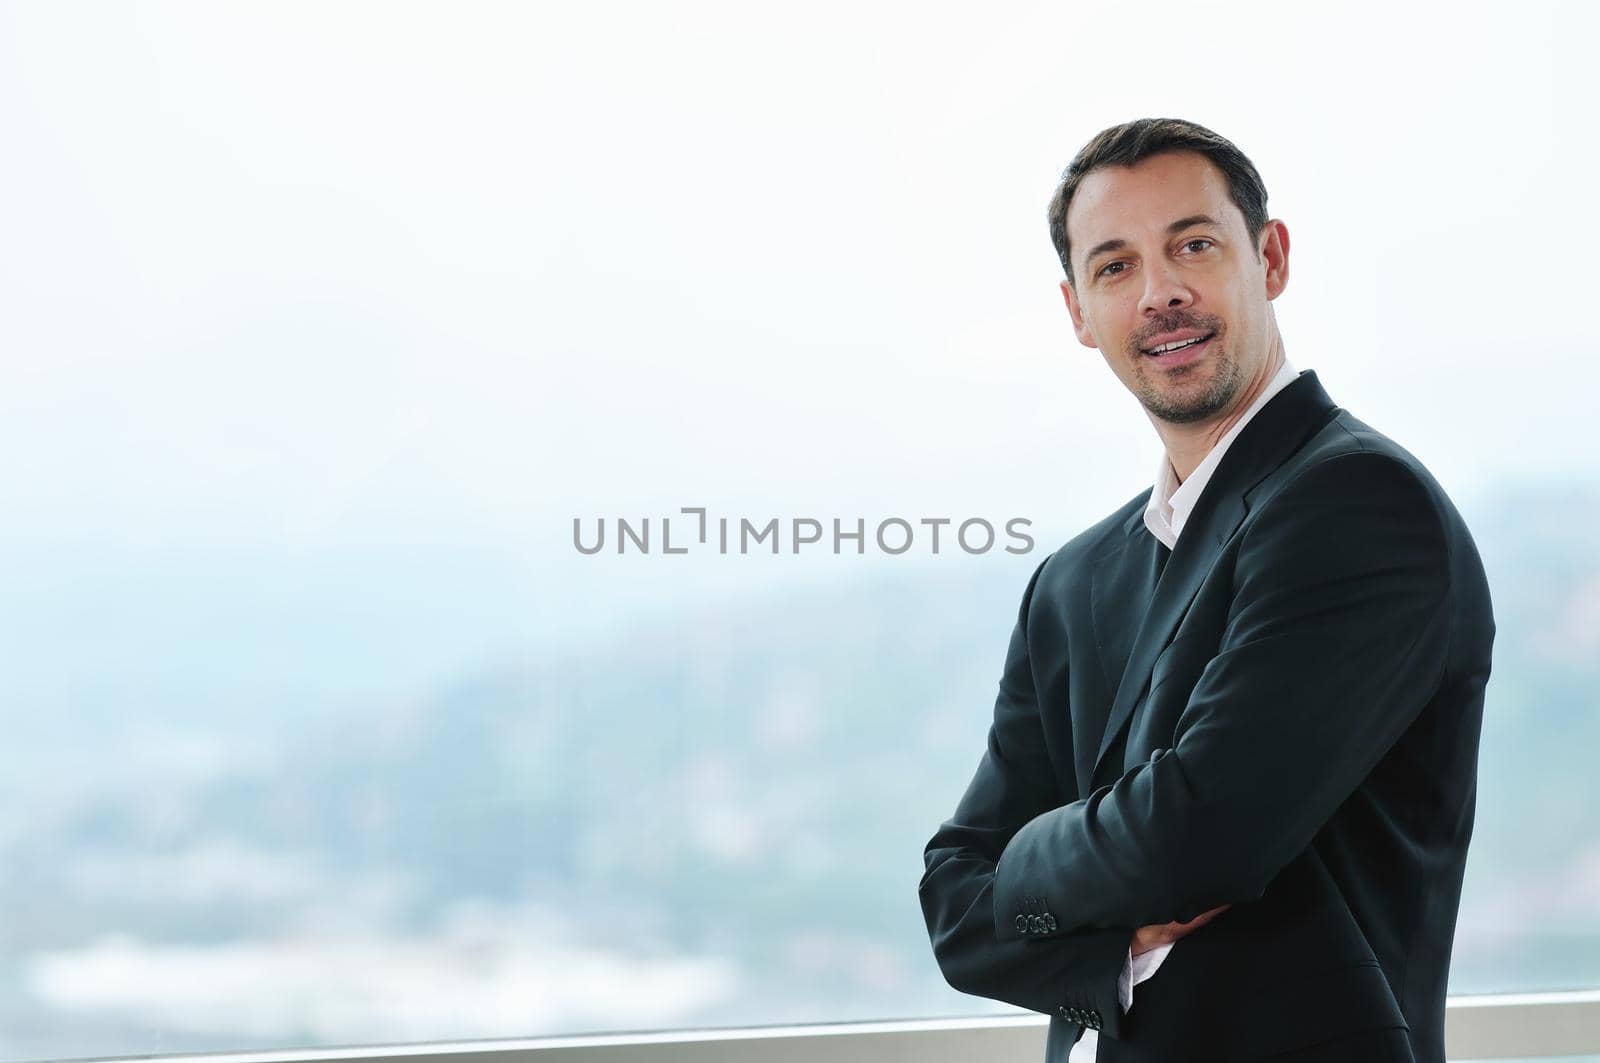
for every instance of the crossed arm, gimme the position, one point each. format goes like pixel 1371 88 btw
pixel 1335 640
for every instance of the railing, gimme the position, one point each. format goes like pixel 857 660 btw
pixel 1500 1026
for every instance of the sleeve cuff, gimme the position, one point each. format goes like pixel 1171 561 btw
pixel 1137 969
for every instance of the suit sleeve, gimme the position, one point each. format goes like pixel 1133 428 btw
pixel 1014 783
pixel 1335 640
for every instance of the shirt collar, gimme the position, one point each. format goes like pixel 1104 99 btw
pixel 1171 502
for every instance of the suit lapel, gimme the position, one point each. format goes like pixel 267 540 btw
pixel 1276 431
pixel 1121 586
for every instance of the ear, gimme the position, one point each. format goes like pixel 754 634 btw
pixel 1085 334
pixel 1275 253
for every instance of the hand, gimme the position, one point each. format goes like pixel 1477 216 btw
pixel 1157 934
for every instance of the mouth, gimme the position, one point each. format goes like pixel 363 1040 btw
pixel 1180 352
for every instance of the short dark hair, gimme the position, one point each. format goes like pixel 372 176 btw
pixel 1132 142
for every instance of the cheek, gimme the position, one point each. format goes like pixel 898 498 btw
pixel 1106 319
pixel 1113 327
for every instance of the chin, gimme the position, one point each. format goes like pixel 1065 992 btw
pixel 1189 400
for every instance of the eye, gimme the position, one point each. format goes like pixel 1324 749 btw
pixel 1197 240
pixel 1105 270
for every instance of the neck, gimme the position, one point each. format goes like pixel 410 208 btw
pixel 1188 444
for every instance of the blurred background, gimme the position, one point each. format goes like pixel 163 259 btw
pixel 322 324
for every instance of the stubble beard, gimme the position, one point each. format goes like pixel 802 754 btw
pixel 1181 407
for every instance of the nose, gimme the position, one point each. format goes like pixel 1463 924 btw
pixel 1164 288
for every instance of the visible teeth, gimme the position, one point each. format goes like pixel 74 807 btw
pixel 1165 347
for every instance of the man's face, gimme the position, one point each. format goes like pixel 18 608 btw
pixel 1160 255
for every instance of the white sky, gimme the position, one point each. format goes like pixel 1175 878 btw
pixel 325 274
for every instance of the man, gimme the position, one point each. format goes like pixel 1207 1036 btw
pixel 1224 808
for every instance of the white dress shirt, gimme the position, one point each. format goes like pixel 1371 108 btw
pixel 1165 515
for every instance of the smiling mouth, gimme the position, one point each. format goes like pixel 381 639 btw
pixel 1176 347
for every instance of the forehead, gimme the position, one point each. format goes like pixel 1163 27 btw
pixel 1134 202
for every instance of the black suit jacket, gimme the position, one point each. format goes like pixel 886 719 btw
pixel 1281 715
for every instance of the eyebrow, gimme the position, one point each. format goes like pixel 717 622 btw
pixel 1172 230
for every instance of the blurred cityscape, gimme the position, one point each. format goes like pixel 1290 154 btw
pixel 708 818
